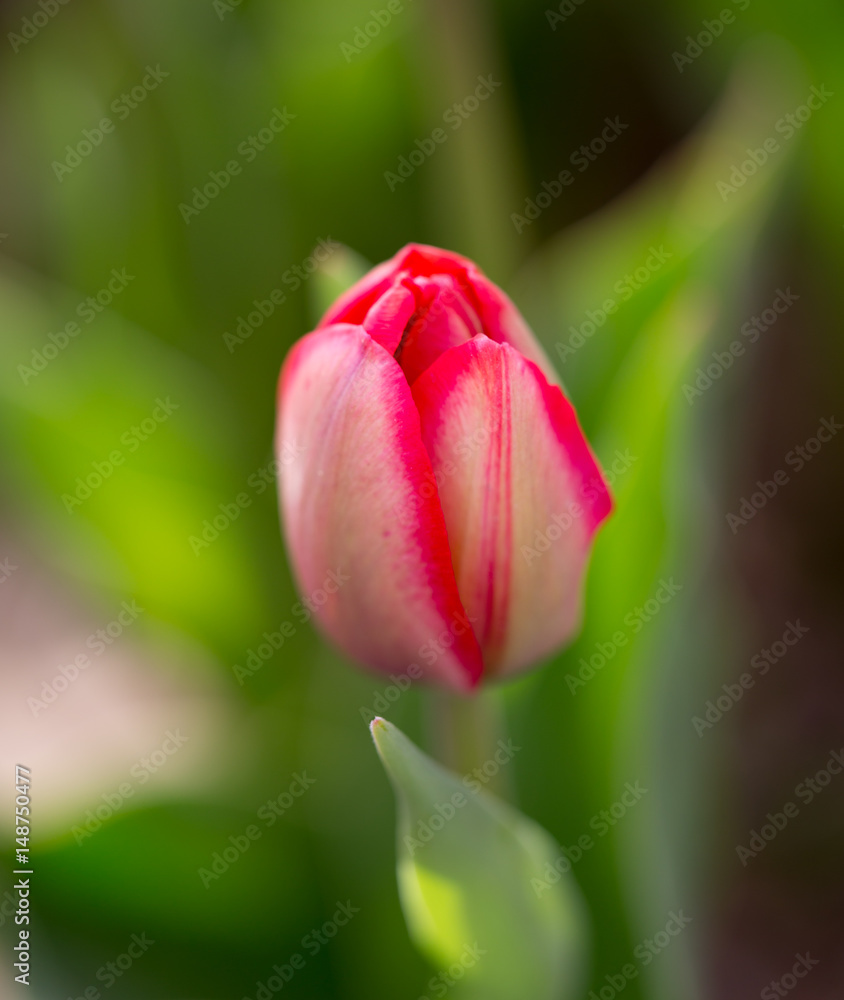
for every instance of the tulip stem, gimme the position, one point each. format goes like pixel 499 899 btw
pixel 464 735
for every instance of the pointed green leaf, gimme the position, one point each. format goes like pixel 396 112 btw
pixel 474 882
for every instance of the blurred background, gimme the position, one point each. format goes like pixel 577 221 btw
pixel 183 188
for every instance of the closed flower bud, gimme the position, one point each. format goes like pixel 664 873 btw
pixel 438 468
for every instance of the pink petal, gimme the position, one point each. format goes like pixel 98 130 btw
pixel 388 316
pixel 443 319
pixel 496 314
pixel 500 320
pixel 360 501
pixel 509 457
pixel 353 305
pixel 503 323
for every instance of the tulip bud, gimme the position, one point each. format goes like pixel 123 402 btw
pixel 440 470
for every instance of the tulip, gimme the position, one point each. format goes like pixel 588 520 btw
pixel 440 470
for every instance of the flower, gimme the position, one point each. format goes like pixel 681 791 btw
pixel 442 500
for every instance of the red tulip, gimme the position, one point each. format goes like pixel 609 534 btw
pixel 441 470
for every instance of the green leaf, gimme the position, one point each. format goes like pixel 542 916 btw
pixel 342 269
pixel 478 884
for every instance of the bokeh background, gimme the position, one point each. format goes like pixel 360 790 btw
pixel 185 722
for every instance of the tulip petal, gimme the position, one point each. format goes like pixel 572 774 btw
pixel 503 323
pixel 388 317
pixel 510 458
pixel 500 320
pixel 498 317
pixel 359 500
pixel 353 305
pixel 443 319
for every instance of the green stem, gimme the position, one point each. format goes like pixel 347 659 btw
pixel 463 734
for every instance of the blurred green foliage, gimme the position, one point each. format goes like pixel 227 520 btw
pixel 195 276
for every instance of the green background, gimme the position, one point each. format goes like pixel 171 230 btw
pixel 689 123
